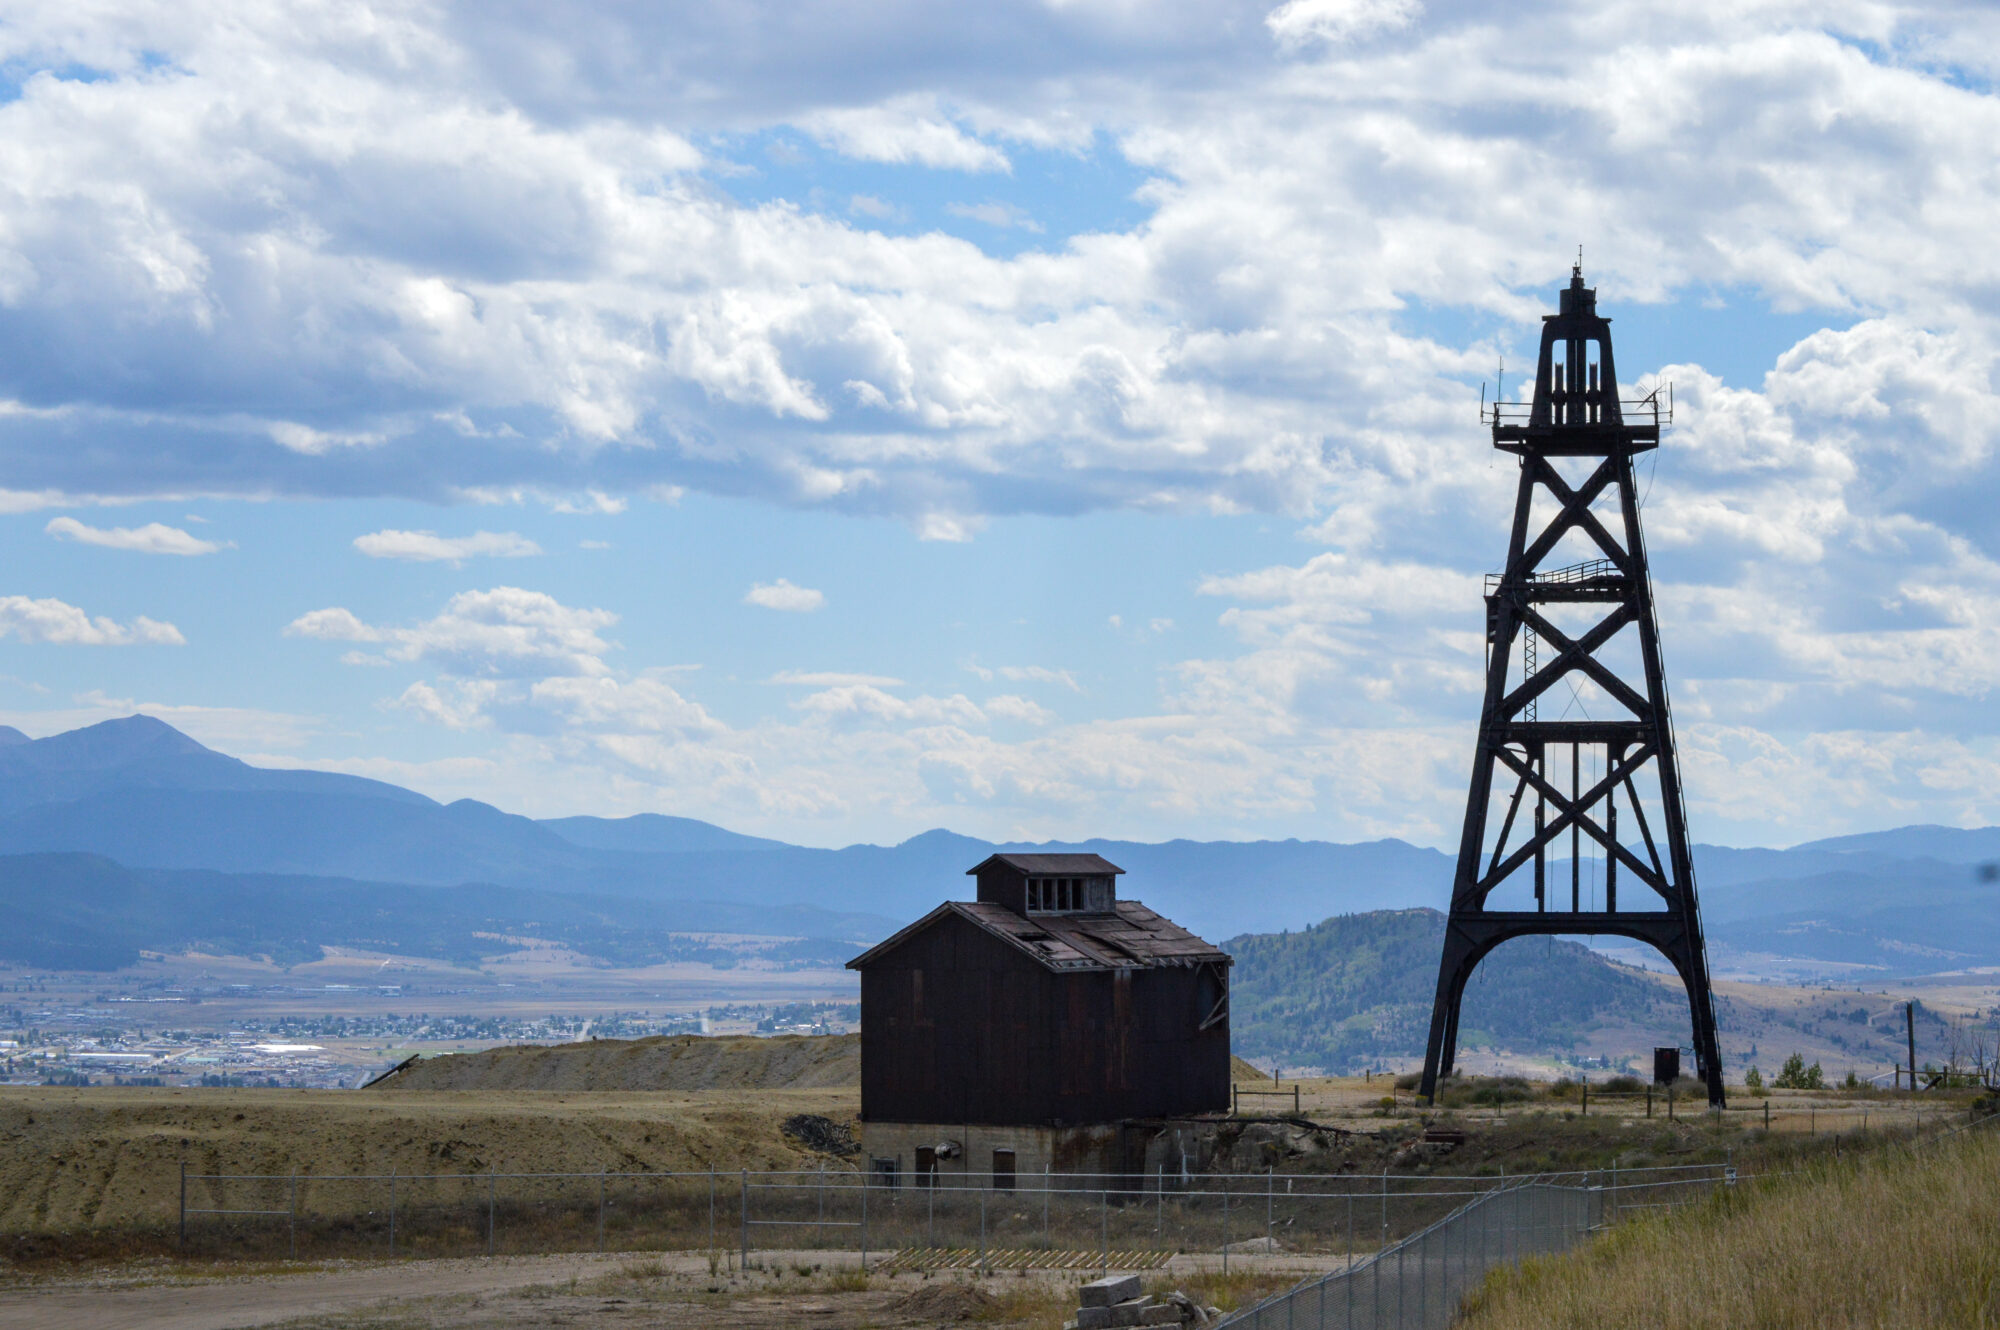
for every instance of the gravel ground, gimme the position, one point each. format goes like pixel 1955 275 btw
pixel 520 1293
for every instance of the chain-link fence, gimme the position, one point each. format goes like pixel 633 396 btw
pixel 1419 1282
pixel 1317 1221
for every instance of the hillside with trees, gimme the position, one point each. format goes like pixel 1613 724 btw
pixel 1355 991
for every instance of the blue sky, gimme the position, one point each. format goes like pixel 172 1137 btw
pixel 836 421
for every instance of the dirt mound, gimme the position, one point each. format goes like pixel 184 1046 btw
pixel 679 1062
pixel 1243 1073
pixel 79 1159
pixel 943 1302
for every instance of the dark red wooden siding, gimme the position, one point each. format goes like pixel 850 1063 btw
pixel 958 1026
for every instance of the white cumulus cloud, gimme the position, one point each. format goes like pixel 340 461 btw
pixel 782 595
pixel 1297 22
pixel 60 624
pixel 152 538
pixel 430 547
pixel 506 632
pixel 834 679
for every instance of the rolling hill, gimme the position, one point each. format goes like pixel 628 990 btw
pixel 1355 991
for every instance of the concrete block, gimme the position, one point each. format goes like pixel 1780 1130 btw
pixel 1107 1291
pixel 1161 1313
pixel 1093 1318
pixel 1130 1312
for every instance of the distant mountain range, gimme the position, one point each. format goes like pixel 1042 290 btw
pixel 183 823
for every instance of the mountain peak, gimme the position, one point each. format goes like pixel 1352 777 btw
pixel 112 743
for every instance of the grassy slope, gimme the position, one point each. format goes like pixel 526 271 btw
pixel 680 1062
pixel 72 1160
pixel 1904 1236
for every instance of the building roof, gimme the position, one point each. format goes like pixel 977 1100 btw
pixel 1129 937
pixel 1054 865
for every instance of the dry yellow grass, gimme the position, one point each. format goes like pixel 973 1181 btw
pixel 682 1062
pixel 73 1159
pixel 1904 1236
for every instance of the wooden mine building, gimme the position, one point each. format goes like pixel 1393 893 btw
pixel 1045 1025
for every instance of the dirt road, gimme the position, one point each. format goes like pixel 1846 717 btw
pixel 264 1299
pixel 783 1291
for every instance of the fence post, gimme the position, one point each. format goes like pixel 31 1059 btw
pixel 982 1234
pixel 864 1223
pixel 1160 1204
pixel 711 1210
pixel 1103 1238
pixel 292 1215
pixel 1270 1202
pixel 392 1210
pixel 743 1210
pixel 600 1210
pixel 1347 1278
pixel 1424 1284
pixel 1225 1223
pixel 492 1204
pixel 184 1207
pixel 1047 1175
pixel 1767 1115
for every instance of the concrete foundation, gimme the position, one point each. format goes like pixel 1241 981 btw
pixel 1123 1155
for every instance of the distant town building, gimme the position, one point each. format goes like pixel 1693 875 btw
pixel 1045 1025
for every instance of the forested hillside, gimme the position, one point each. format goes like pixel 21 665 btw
pixel 1356 990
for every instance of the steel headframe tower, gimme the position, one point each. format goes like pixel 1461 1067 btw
pixel 1576 443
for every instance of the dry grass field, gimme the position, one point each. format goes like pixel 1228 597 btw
pixel 73 1160
pixel 683 1062
pixel 1905 1236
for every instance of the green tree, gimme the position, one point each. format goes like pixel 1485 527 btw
pixel 1796 1075
pixel 1753 1079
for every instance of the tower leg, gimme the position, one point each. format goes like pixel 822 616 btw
pixel 1701 1006
pixel 1454 969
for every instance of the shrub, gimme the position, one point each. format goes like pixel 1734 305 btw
pixel 1753 1079
pixel 1624 1085
pixel 1796 1075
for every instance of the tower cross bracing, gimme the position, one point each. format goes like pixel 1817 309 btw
pixel 1571 630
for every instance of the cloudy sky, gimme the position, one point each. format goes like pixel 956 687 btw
pixel 836 420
